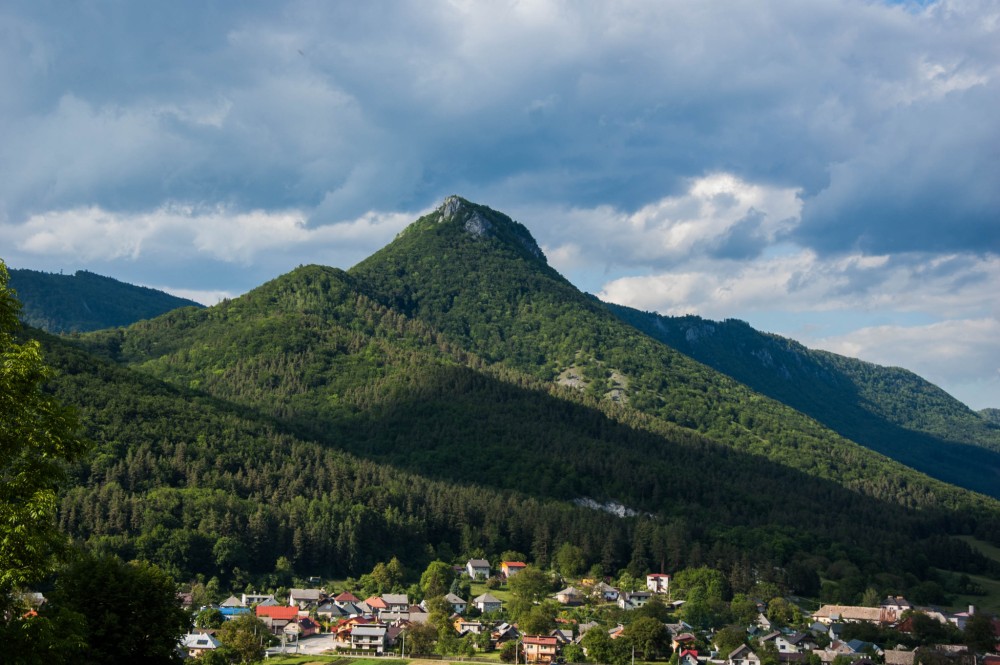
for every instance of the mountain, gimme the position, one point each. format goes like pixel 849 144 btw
pixel 453 394
pixel 887 409
pixel 990 415
pixel 86 301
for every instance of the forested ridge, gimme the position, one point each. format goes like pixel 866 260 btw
pixel 887 409
pixel 85 301
pixel 420 405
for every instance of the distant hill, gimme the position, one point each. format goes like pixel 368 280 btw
pixel 888 409
pixel 85 301
pixel 991 415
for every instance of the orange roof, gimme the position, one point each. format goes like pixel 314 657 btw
pixel 376 603
pixel 277 612
pixel 514 564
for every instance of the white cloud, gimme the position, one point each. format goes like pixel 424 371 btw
pixel 176 231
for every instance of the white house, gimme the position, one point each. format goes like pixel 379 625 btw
pixel 658 582
pixel 478 568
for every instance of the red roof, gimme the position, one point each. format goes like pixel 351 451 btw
pixel 277 612
pixel 346 597
pixel 658 575
pixel 514 564
pixel 541 640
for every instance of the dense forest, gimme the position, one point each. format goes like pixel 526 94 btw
pixel 454 396
pixel 85 301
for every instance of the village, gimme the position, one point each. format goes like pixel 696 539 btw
pixel 389 624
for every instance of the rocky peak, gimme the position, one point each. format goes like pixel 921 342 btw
pixel 481 222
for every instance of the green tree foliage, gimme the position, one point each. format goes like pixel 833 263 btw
pixel 421 639
pixel 531 584
pixel 729 638
pixel 85 301
pixel 37 437
pixel 978 633
pixel 245 639
pixel 649 637
pixel 569 560
pixel 743 609
pixel 129 611
pixel 210 617
pixel 437 579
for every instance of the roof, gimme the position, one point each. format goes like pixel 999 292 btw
pixel 455 600
pixel 899 657
pixel 396 599
pixel 199 641
pixel 849 612
pixel 658 575
pixel 376 603
pixel 514 564
pixel 486 598
pixel 738 651
pixel 277 612
pixel 541 640
pixel 306 594
pixel 368 631
pixel 346 597
pixel 232 601
pixel 478 563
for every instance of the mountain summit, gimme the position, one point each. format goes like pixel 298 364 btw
pixel 480 222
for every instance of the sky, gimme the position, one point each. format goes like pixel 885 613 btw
pixel 824 170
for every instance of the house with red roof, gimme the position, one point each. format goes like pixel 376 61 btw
pixel 508 568
pixel 540 648
pixel 276 617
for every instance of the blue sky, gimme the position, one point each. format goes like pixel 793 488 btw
pixel 828 170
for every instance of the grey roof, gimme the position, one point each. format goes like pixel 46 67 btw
pixel 232 601
pixel 305 594
pixel 199 641
pixel 478 563
pixel 455 600
pixel 395 599
pixel 486 598
pixel 368 631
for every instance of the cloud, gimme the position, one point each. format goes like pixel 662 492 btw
pixel 877 114
pixel 192 235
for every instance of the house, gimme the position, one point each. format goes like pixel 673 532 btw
pixel 631 600
pixel 829 614
pixel 562 635
pixel 196 644
pixel 681 641
pixel 457 604
pixel 345 598
pixel 796 643
pixel 605 592
pixel 369 638
pixel 305 597
pixel 688 657
pixel 478 569
pixel 570 596
pixel 658 582
pixel 376 605
pixel 303 627
pixel 511 568
pixel 487 603
pixel 277 617
pixel 466 626
pixel 896 603
pixel 251 599
pixel 504 633
pixel 232 601
pixel 331 611
pixel 540 648
pixel 396 602
pixel 742 655
pixel 901 657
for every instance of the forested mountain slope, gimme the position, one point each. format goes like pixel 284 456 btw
pixel 887 409
pixel 85 301
pixel 456 359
